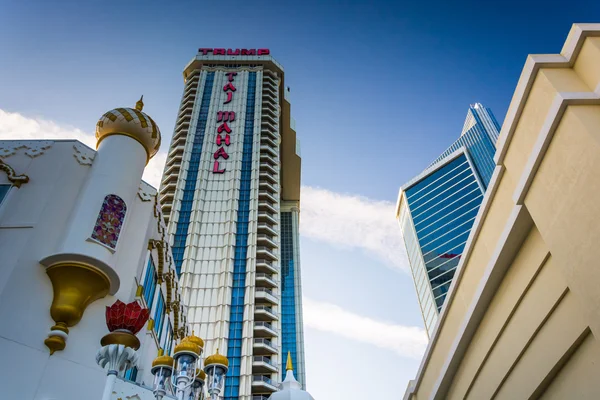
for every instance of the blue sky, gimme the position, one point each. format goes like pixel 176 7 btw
pixel 379 89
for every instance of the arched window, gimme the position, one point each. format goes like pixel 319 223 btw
pixel 110 220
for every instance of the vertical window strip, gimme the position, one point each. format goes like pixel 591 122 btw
pixel 150 283
pixel 288 292
pixel 159 316
pixel 181 231
pixel 234 342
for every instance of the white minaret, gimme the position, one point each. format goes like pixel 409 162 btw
pixel 82 269
pixel 290 388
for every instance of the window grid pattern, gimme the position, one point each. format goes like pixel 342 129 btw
pixel 480 140
pixel 443 207
pixel 150 283
pixel 236 318
pixel 288 290
pixel 185 211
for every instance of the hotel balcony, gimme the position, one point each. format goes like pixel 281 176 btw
pixel 265 313
pixel 170 185
pixel 264 347
pixel 166 200
pixel 265 280
pixel 268 140
pixel 269 102
pixel 269 90
pixel 265 251
pixel 267 240
pixel 267 130
pixel 263 228
pixel 172 168
pixel 177 149
pixel 268 157
pixel 262 364
pixel 267 167
pixel 266 266
pixel 272 118
pixel 261 383
pixel 268 206
pixel 267 216
pixel 264 330
pixel 264 194
pixel 270 177
pixel 266 295
pixel 265 124
pixel 268 149
pixel 270 187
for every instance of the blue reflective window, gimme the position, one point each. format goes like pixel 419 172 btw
pixel 131 374
pixel 159 316
pixel 4 191
pixel 234 344
pixel 150 283
pixel 189 186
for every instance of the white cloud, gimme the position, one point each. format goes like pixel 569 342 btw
pixel 15 126
pixel 406 341
pixel 353 221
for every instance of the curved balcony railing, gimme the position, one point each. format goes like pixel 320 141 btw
pixel 264 325
pixel 264 359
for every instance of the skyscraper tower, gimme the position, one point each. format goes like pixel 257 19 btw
pixel 231 196
pixel 436 209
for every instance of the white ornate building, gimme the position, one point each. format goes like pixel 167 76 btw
pixel 79 229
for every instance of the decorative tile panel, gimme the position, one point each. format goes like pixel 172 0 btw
pixel 33 148
pixel 110 220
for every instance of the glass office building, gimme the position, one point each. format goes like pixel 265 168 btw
pixel 437 209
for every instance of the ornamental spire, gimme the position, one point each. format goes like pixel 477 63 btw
pixel 140 104
pixel 289 366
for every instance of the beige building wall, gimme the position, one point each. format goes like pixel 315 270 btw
pixel 522 318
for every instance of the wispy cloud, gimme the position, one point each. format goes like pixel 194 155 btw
pixel 353 221
pixel 15 126
pixel 406 341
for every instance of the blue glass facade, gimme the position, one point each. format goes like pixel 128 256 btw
pixel 289 337
pixel 439 207
pixel 234 343
pixel 180 237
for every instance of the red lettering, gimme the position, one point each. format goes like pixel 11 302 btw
pixel 204 51
pixel 225 116
pixel 219 52
pixel 230 52
pixel 229 86
pixel 224 127
pixel 230 76
pixel 229 97
pixel 221 153
pixel 246 52
pixel 263 52
pixel 220 140
pixel 216 169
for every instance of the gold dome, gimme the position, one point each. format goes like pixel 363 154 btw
pixel 130 122
pixel 216 359
pixel 163 361
pixel 201 375
pixel 187 346
pixel 196 340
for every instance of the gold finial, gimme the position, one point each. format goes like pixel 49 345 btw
pixel 289 366
pixel 140 104
pixel 161 352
